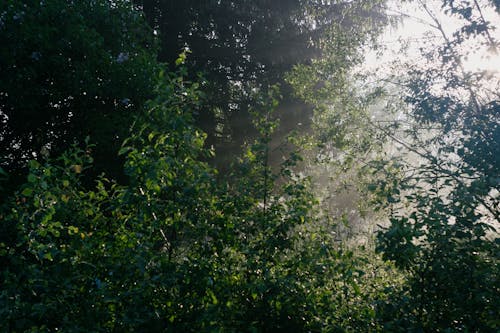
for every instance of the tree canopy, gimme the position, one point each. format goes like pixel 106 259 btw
pixel 244 47
pixel 116 214
pixel 443 194
pixel 71 70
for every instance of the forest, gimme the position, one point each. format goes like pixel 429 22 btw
pixel 249 166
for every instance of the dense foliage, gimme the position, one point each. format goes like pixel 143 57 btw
pixel 71 70
pixel 164 241
pixel 173 250
pixel 246 46
pixel 443 194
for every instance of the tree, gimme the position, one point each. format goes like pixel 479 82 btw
pixel 247 46
pixel 173 250
pixel 71 70
pixel 443 199
pixel 112 257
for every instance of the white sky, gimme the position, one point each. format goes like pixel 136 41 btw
pixel 416 28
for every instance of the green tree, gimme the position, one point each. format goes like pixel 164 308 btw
pixel 173 250
pixel 246 46
pixel 443 200
pixel 108 258
pixel 71 70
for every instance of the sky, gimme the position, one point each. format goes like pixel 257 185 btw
pixel 416 28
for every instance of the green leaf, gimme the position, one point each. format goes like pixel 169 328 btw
pixel 27 192
pixel 32 178
pixel 72 230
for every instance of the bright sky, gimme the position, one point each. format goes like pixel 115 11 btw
pixel 417 28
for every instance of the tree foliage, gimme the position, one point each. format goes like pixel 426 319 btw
pixel 247 46
pixel 175 250
pixel 444 200
pixel 71 70
pixel 178 247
